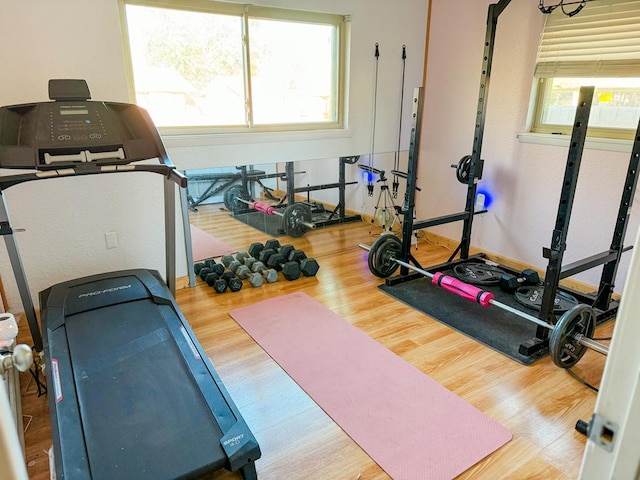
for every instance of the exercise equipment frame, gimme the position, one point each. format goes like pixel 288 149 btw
pixel 602 302
pixel 569 337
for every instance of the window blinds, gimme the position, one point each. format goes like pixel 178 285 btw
pixel 602 40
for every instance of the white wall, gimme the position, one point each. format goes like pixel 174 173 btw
pixel 524 179
pixel 66 220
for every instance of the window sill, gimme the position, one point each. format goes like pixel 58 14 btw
pixel 212 139
pixel 607 144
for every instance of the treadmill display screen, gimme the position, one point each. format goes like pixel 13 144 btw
pixel 73 111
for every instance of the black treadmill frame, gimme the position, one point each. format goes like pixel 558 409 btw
pixel 241 452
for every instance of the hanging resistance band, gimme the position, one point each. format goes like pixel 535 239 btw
pixel 396 161
pixel 373 129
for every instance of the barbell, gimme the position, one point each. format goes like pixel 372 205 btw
pixel 570 336
pixel 296 218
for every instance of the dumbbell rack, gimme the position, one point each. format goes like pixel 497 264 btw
pixel 602 301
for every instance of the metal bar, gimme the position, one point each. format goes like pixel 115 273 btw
pixel 291 196
pixel 591 262
pixel 409 205
pixel 188 244
pixel 581 339
pixel 279 214
pixel 592 344
pixel 170 234
pixel 342 177
pixel 19 275
pixel 326 186
pixel 454 217
pixel 567 195
pixel 493 13
pixel 610 270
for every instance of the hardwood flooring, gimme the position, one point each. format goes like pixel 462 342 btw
pixel 540 404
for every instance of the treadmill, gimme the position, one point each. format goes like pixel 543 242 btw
pixel 131 392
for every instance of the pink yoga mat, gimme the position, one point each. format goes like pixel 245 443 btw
pixel 409 424
pixel 206 246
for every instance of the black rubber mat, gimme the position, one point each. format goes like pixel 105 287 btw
pixel 492 326
pixel 269 224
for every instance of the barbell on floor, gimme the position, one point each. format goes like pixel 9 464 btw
pixel 570 336
pixel 296 218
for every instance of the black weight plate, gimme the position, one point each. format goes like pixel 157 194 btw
pixel 478 273
pixel 231 197
pixel 564 347
pixel 382 255
pixel 463 169
pixel 532 297
pixel 293 217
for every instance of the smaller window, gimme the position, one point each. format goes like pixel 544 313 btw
pixel 598 46
pixel 615 109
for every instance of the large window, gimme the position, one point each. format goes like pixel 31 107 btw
pixel 206 66
pixel 599 45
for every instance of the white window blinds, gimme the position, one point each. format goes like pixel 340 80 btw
pixel 602 40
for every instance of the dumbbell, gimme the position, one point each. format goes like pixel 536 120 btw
pixel 206 271
pixel 255 249
pixel 308 266
pixel 270 275
pixel 264 255
pixel 510 283
pixel 255 280
pixel 227 259
pixel 242 256
pixel 257 266
pixel 290 269
pixel 286 249
pixel 272 243
pixel 227 280
pixel 209 264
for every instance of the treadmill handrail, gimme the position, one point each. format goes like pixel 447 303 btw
pixel 168 171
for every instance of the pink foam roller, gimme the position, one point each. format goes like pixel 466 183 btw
pixel 464 290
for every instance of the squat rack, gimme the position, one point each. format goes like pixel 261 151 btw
pixel 339 214
pixel 602 302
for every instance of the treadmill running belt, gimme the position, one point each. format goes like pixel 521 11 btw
pixel 120 368
pixel 132 394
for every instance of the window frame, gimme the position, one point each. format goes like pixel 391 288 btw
pixel 599 42
pixel 538 126
pixel 246 12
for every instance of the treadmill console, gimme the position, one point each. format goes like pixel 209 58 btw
pixel 72 131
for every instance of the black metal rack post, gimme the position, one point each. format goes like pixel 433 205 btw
pixel 611 267
pixel 561 229
pixel 476 163
pixel 475 170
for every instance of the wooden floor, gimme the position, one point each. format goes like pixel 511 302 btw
pixel 540 404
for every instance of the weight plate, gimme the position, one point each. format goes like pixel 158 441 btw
pixel 293 217
pixel 231 197
pixel 532 297
pixel 382 255
pixel 463 169
pixel 564 347
pixel 478 273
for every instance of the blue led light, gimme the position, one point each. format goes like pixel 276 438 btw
pixel 484 199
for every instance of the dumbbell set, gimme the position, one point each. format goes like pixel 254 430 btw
pixel 260 263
